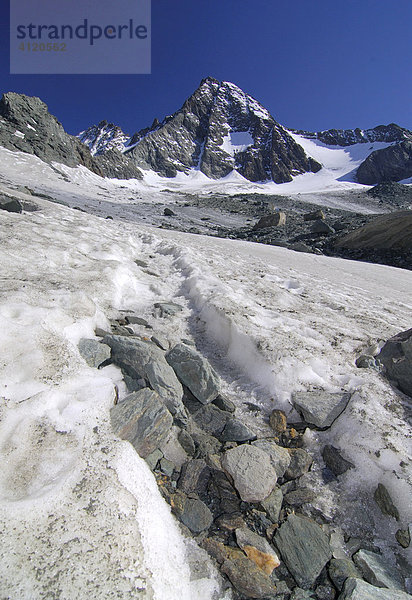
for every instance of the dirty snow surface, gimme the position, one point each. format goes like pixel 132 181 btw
pixel 80 512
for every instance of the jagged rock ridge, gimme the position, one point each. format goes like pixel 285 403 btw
pixel 348 137
pixel 103 137
pixel 27 126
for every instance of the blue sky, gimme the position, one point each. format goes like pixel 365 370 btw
pixel 315 64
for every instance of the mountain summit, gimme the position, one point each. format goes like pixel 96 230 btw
pixel 219 129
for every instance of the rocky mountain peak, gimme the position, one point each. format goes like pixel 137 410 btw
pixel 103 137
pixel 219 129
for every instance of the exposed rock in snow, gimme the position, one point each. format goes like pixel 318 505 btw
pixel 396 356
pixel 253 474
pixel 194 372
pixel 304 547
pixel 388 164
pixel 320 408
pixel 142 420
pixel 103 137
pixel 348 137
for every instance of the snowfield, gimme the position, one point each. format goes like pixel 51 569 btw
pixel 80 511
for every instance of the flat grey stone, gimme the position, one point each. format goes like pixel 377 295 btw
pixel 235 431
pixel 167 466
pixel 277 219
pixel 279 457
pixel 194 476
pixel 334 461
pixel 93 352
pixel 357 589
pixel 168 309
pixel 10 204
pixel 299 497
pixel 273 504
pixel 251 470
pixel 403 537
pixel 377 571
pixel 304 547
pixel 133 320
pixel 141 359
pixel 211 419
pixel 160 341
pixel 384 501
pixel 320 226
pixel 192 512
pixel 224 403
pixel 340 569
pixel 299 594
pixel 314 215
pixel 187 442
pixel 300 462
pixel 143 420
pixel 320 408
pixel 153 458
pixel 194 371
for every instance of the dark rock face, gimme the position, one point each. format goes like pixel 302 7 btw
pixel 27 126
pixel 217 130
pixel 347 137
pixel 117 166
pixel 393 163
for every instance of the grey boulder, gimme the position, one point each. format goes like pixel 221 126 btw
pixel 194 371
pixel 93 352
pixel 320 408
pixel 357 589
pixel 336 463
pixel 304 547
pixel 141 359
pixel 10 204
pixel 279 456
pixel 377 571
pixel 251 471
pixel 396 356
pixel 235 431
pixel 143 420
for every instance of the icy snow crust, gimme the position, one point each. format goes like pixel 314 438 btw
pixel 80 512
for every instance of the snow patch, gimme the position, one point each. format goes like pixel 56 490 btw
pixel 237 141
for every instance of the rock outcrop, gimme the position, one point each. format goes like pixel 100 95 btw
pixel 27 126
pixel 393 163
pixel 348 137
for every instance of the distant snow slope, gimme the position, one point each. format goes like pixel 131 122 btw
pixel 79 510
pixel 130 198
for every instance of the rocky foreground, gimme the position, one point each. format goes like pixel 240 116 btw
pixel 236 492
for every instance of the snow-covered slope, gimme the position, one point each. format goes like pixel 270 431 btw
pixel 80 511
